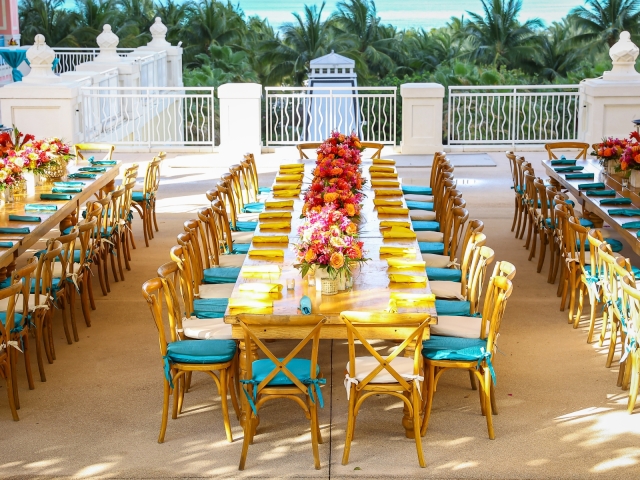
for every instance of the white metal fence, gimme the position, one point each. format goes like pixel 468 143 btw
pixel 148 116
pixel 309 114
pixel 512 114
pixel 70 58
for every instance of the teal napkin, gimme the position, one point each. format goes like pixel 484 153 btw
pixel 39 206
pixel 601 193
pixel 93 169
pixel 591 186
pixel 6 244
pixel 14 230
pixel 55 196
pixel 631 225
pixel 107 163
pixel 615 201
pixel 68 184
pixel 82 175
pixel 568 169
pixel 67 190
pixel 578 176
pixel 626 212
pixel 24 218
pixel 305 305
pixel 563 161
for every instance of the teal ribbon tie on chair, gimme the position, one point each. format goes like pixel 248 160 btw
pixel 167 370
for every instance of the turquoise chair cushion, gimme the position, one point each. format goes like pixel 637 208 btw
pixel 616 245
pixel 245 226
pixel 201 351
pixel 221 275
pixel 239 248
pixel 139 196
pixel 586 223
pixel 76 257
pixel 5 283
pixel 425 226
pixel 453 348
pixel 548 223
pixel 300 367
pixel 444 274
pixel 210 307
pixel 264 189
pixel 416 190
pixel 67 230
pixel 17 321
pixel 431 247
pixel 413 205
pixel 55 284
pixel 255 207
pixel 635 271
pixel 456 308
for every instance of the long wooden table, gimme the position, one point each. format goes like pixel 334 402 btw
pixel 371 288
pixel 50 219
pixel 592 204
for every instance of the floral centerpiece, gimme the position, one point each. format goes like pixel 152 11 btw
pixel 609 152
pixel 10 173
pixel 328 240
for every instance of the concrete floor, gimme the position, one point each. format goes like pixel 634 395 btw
pixel 98 414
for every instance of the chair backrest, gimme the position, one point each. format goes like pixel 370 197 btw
pixel 130 173
pixel 192 255
pixel 578 238
pixel 223 227
pixel 436 168
pixel 453 227
pixel 498 292
pixel 86 229
pixel 473 227
pixel 377 146
pixel 44 273
pixel 171 275
pixel 225 193
pixel 240 185
pixel 162 302
pixel 94 147
pixel 11 293
pixel 116 210
pixel 152 177
pixel 475 241
pixel 357 322
pixel 562 230
pixel 66 255
pixel 519 165
pixel 23 277
pixel 211 235
pixel 482 257
pixel 613 271
pixel 206 258
pixel 581 148
pixel 251 182
pixel 307 146
pixel 103 218
pixel 541 191
pixel 189 288
pixel 631 312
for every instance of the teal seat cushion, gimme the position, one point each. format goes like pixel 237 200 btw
pixel 17 321
pixel 414 205
pixel 245 226
pixel 221 275
pixel 616 245
pixel 548 223
pixel 255 207
pixel 210 307
pixel 586 223
pixel 635 271
pixel 425 226
pixel 416 190
pixel 76 256
pixel 300 367
pixel 454 348
pixel 201 351
pixel 239 248
pixel 67 230
pixel 444 274
pixel 456 308
pixel 139 196
pixel 431 247
pixel 55 284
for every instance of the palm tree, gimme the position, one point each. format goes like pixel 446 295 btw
pixel 558 53
pixel 49 18
pixel 221 65
pixel 500 38
pixel 91 16
pixel 603 20
pixel 175 15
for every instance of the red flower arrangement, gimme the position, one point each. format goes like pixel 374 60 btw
pixel 610 149
pixel 630 159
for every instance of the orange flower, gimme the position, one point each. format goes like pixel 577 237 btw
pixel 351 210
pixel 336 260
pixel 351 229
pixel 310 256
pixel 330 197
pixel 607 152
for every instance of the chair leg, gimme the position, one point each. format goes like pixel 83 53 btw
pixel 153 211
pixel 416 425
pixel 89 284
pixel 623 365
pixel 84 298
pixel 487 395
pixel 65 322
pixel 612 342
pixel 635 381
pixel 176 387
pixel 72 310
pixel 578 314
pixel 543 248
pixel 529 221
pixel 494 404
pixel 351 420
pixel 552 260
pixel 105 265
pixel 12 404
pixel 472 380
pixel 605 324
pixel 165 410
pixel 13 363
pixel 119 254
pixel 572 286
pixel 428 397
pixel 515 214
pixel 39 353
pixel 313 413
pixel 27 360
pixel 534 235
pixel 224 381
pixel 592 318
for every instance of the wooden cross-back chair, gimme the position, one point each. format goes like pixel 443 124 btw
pixel 8 347
pixel 105 148
pixel 453 226
pixel 532 205
pixel 285 377
pixel 180 357
pixel 126 221
pixel 144 202
pixel 63 289
pixel 582 149
pixel 475 355
pixel 631 349
pixel 590 282
pixel 520 164
pixel 517 190
pixel 393 374
pixel 315 145
pixel 545 225
pixel 101 246
pixel 80 269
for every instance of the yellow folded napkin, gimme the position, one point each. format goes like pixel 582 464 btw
pixel 402 299
pixel 270 239
pixel 386 224
pixel 396 232
pixel 383 161
pixel 289 178
pixel 260 287
pixel 264 215
pixel 401 278
pixel 383 175
pixel 260 271
pixel 286 186
pixel 249 305
pixel 279 204
pixel 286 193
pixel 402 263
pixel 397 251
pixel 275 225
pixel 275 253
pixel 379 202
pixel 387 192
pixel 393 210
pixel 375 168
pixel 292 166
pixel 384 184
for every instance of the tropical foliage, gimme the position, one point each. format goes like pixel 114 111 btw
pixel 222 44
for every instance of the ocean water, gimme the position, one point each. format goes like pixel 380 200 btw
pixel 408 13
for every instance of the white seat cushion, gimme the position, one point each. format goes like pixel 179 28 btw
pixel 364 365
pixel 248 217
pixel 430 236
pixel 4 303
pixel 418 198
pixel 232 260
pixel 450 326
pixel 437 261
pixel 422 215
pixel 218 290
pixel 444 289
pixel 57 270
pixel 204 329
pixel 242 237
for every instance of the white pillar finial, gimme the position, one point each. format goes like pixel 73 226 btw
pixel 159 33
pixel 623 55
pixel 41 58
pixel 107 41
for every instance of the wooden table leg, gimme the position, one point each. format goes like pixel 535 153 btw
pixel 246 357
pixel 407 420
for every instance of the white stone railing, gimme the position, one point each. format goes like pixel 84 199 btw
pixel 523 114
pixel 309 114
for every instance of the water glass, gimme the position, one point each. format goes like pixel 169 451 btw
pixel 291 283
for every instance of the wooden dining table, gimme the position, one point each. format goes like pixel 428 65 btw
pixel 371 291
pixel 50 219
pixel 592 205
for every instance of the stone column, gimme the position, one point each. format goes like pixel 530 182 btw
pixel 609 104
pixel 421 118
pixel 240 118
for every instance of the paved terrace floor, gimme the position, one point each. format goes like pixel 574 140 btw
pixel 98 415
